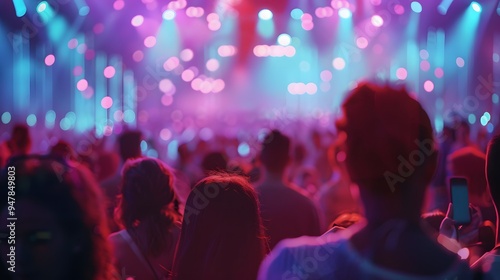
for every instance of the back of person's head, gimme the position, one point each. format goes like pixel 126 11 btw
pixel 213 162
pixel 20 140
pixel 63 149
pixel 146 194
pixel 275 153
pixel 61 231
pixel 129 144
pixel 493 169
pixel 389 141
pixel 222 235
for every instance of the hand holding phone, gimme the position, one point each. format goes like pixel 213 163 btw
pixel 460 200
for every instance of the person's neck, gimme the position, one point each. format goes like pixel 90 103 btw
pixel 273 179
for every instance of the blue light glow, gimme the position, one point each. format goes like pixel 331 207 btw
pixel 83 11
pixel 416 7
pixel 472 119
pixel 6 117
pixel 296 13
pixel 31 120
pixel 243 149
pixel 476 7
pixel 20 8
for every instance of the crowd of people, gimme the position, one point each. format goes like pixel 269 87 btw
pixel 370 202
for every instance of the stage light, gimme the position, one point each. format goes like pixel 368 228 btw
pixel 284 39
pixel 476 6
pixel 265 14
pixel 345 13
pixel 416 7
pixel 444 6
pixel 20 7
pixel 168 15
pixel 296 13
pixel 42 6
pixel 377 21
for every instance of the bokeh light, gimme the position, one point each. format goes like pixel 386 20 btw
pixel 82 85
pixel 137 20
pixel 377 21
pixel 296 13
pixel 326 75
pixel 265 14
pixel 424 54
pixel 138 56
pixel 50 59
pixel 401 73
pixel 428 86
pixel 118 5
pixel 212 64
pixel 338 63
pixel 438 72
pixel 399 9
pixel 187 75
pixel 165 134
pixel 425 65
pixel 171 63
pixel 109 72
pixel 284 39
pixel 186 55
pixel 460 62
pixel 31 120
pixel 106 102
pixel 150 41
pixel 6 117
pixel 361 42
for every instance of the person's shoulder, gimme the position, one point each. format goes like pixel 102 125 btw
pixel 292 256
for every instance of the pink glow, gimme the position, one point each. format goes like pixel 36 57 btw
pixel 187 75
pixel 166 86
pixel 311 88
pixel 401 73
pixel 78 70
pixel 338 63
pixel 425 65
pixel 138 56
pixel 226 50
pixel 212 17
pixel 73 43
pixel 399 10
pixel 428 86
pixel 165 134
pixel 137 20
pixel 307 25
pixel 167 100
pixel 50 59
pixel 106 102
pixel 214 25
pixel 212 64
pixel 439 73
pixel 150 41
pixel 82 85
pixel 98 28
pixel 362 42
pixel 377 21
pixel 196 84
pixel 171 63
pixel 118 5
pixel 306 18
pixel 109 72
pixel 186 55
pixel 326 75
pixel 218 85
pixel 88 93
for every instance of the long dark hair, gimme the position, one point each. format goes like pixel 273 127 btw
pixel 147 197
pixel 76 201
pixel 222 235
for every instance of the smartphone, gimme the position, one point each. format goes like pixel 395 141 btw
pixel 460 200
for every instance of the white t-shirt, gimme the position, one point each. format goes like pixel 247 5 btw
pixel 489 264
pixel 331 256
